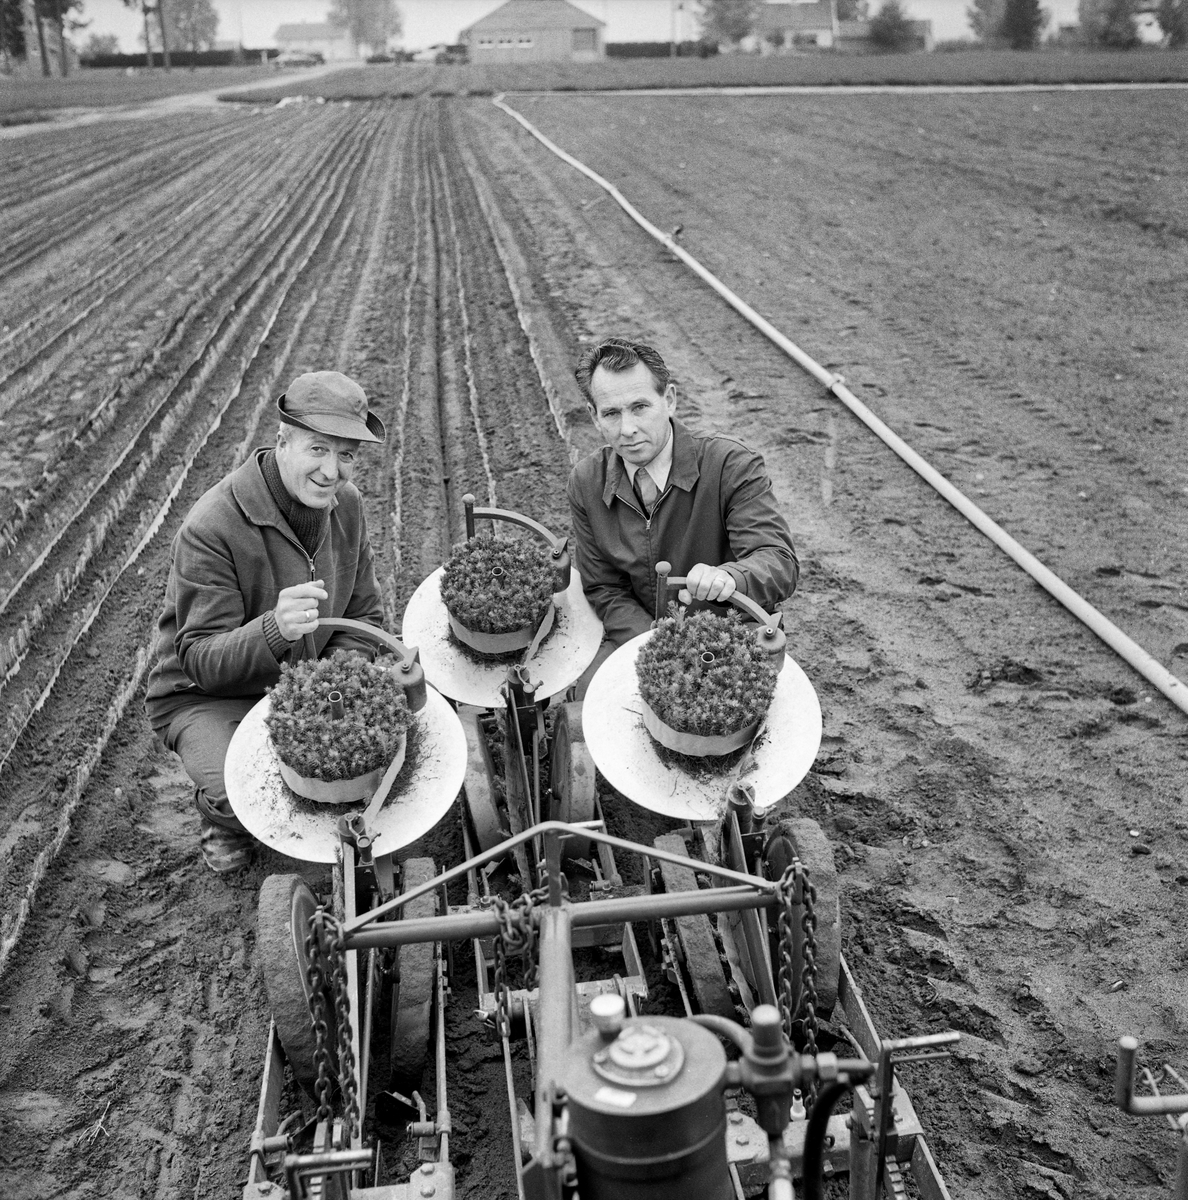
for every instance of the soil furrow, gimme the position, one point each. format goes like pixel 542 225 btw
pixel 218 328
pixel 181 297
pixel 31 352
pixel 59 221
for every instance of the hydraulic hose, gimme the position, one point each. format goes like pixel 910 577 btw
pixel 814 1139
pixel 1144 663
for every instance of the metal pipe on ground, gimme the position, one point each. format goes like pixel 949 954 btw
pixel 1143 662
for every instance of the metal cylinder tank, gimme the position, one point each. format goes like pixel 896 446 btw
pixel 647 1117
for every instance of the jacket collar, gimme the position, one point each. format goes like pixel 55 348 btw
pixel 251 493
pixel 684 474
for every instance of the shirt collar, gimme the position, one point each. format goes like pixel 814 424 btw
pixel 683 468
pixel 659 468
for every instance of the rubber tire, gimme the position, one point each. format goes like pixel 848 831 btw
pixel 486 820
pixel 702 964
pixel 571 776
pixel 815 851
pixel 282 921
pixel 413 992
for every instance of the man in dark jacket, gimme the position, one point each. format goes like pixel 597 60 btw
pixel 280 542
pixel 658 491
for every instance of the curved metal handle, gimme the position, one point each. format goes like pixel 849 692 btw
pixel 772 639
pixel 558 546
pixel 410 672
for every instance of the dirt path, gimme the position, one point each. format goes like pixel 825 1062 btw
pixel 1006 302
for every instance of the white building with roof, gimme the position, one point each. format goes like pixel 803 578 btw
pixel 535 31
pixel 332 42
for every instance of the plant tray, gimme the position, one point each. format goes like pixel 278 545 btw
pixel 697 745
pixel 502 643
pixel 340 791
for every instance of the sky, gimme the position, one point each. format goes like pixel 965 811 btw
pixel 428 22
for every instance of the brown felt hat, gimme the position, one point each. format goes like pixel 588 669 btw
pixel 328 402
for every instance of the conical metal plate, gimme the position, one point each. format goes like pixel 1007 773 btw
pixel 559 661
pixel 624 752
pixel 424 791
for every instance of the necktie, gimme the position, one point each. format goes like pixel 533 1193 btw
pixel 646 490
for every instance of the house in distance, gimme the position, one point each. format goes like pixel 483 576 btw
pixel 535 31
pixel 332 42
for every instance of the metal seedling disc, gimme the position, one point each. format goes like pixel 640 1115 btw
pixel 560 660
pixel 423 793
pixel 624 752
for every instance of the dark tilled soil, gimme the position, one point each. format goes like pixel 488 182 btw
pixel 999 276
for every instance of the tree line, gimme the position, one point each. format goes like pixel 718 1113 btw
pixel 1014 23
pixel 168 25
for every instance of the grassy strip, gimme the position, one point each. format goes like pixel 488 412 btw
pixel 24 99
pixel 403 81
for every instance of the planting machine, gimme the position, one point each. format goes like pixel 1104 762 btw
pixel 738 909
pixel 1173 1106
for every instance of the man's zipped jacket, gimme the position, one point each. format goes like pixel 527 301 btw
pixel 717 508
pixel 231 558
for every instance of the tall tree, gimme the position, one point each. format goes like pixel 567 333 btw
pixel 985 19
pixel 851 10
pixel 163 20
pixel 372 22
pixel 12 30
pixel 192 24
pixel 57 13
pixel 1022 22
pixel 1172 16
pixel 1109 23
pixel 158 38
pixel 890 28
pixel 727 20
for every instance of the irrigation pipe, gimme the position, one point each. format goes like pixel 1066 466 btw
pixel 1144 663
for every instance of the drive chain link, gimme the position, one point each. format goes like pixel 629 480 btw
pixel 325 948
pixel 797 891
pixel 516 938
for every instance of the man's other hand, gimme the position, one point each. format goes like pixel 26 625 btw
pixel 710 583
pixel 296 609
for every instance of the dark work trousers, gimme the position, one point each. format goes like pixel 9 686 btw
pixel 199 734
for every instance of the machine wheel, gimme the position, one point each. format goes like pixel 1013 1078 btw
pixel 806 839
pixel 282 922
pixel 489 826
pixel 412 994
pixel 572 776
pixel 697 936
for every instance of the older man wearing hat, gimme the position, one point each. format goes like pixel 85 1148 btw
pixel 278 543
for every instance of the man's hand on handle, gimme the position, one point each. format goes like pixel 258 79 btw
pixel 710 583
pixel 296 609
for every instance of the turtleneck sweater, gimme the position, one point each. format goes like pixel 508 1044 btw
pixel 309 524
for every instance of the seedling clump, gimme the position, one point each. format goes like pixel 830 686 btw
pixel 494 585
pixel 308 738
pixel 705 673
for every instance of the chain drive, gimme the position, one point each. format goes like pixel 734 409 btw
pixel 325 948
pixel 797 891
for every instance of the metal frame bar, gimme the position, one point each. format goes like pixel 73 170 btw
pixel 764 892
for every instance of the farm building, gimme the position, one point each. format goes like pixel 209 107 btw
pixel 854 36
pixel 332 42
pixel 801 23
pixel 535 31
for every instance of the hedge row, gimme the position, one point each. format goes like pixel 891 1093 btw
pixel 180 58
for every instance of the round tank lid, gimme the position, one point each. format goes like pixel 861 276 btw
pixel 641 1056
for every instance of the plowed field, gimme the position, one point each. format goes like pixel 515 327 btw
pixel 1003 277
